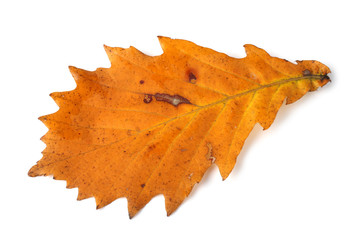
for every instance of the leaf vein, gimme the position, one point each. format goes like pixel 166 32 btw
pixel 167 150
pixel 198 145
pixel 117 109
pixel 219 68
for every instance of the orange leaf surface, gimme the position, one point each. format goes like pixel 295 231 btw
pixel 154 125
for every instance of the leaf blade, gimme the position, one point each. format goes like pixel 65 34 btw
pixel 154 125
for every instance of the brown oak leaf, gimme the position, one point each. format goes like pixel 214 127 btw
pixel 154 125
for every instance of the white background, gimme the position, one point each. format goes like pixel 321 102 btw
pixel 298 180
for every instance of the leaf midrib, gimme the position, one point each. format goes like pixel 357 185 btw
pixel 224 100
pixel 310 77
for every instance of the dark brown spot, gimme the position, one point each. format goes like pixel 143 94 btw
pixel 147 98
pixel 306 72
pixel 142 81
pixel 192 78
pixel 142 185
pixel 325 77
pixel 174 100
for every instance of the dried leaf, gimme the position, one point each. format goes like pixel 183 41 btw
pixel 154 125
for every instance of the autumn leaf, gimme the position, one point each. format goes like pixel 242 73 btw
pixel 154 125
